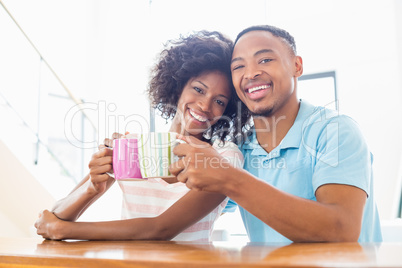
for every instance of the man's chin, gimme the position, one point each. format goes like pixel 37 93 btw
pixel 262 112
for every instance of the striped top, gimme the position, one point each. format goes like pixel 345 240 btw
pixel 152 197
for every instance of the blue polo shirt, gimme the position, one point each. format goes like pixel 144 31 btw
pixel 321 147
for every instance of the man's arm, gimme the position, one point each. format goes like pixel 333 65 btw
pixel 336 216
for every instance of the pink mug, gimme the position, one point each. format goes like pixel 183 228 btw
pixel 125 159
pixel 145 155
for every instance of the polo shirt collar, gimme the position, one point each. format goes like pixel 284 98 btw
pixel 292 138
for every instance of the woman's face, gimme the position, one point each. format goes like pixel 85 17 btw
pixel 202 102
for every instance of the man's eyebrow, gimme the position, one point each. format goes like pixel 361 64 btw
pixel 236 59
pixel 262 51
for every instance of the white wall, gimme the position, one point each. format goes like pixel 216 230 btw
pixel 103 49
pixel 22 197
pixel 361 41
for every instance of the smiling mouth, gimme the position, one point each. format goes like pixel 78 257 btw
pixel 254 89
pixel 197 116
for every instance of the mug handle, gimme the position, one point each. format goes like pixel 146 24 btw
pixel 111 174
pixel 127 135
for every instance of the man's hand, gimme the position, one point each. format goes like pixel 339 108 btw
pixel 200 166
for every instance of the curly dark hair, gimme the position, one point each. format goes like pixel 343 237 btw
pixel 188 57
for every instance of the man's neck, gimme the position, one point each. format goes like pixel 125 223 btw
pixel 271 130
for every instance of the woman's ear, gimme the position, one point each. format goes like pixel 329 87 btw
pixel 299 66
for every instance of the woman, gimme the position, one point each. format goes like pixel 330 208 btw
pixel 191 84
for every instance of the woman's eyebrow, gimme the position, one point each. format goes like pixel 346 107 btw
pixel 226 97
pixel 202 83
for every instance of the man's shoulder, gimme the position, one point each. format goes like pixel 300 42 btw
pixel 324 127
pixel 321 117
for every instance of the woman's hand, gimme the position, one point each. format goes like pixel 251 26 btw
pixel 101 164
pixel 49 226
pixel 109 142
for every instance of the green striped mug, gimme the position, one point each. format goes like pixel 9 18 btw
pixel 155 151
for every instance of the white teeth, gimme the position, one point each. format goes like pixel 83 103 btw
pixel 251 90
pixel 198 117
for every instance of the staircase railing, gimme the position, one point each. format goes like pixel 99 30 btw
pixel 69 92
pixel 16 106
pixel 40 141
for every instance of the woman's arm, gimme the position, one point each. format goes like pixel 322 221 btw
pixel 93 186
pixel 188 210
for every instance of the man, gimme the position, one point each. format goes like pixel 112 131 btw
pixel 307 174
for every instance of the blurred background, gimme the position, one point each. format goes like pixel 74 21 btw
pixel 73 72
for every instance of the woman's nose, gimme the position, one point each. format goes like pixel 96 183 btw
pixel 205 105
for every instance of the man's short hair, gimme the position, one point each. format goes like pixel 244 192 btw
pixel 275 31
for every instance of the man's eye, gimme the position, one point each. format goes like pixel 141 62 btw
pixel 265 60
pixel 237 67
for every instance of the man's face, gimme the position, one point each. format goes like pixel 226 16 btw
pixel 264 71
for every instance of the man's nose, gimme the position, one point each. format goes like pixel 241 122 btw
pixel 252 72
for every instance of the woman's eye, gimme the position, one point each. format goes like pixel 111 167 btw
pixel 199 90
pixel 221 103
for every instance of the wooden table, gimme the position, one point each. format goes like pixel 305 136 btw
pixel 37 252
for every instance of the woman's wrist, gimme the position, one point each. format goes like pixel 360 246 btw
pixel 90 189
pixel 58 229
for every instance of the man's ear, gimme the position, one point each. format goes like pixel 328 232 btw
pixel 299 66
